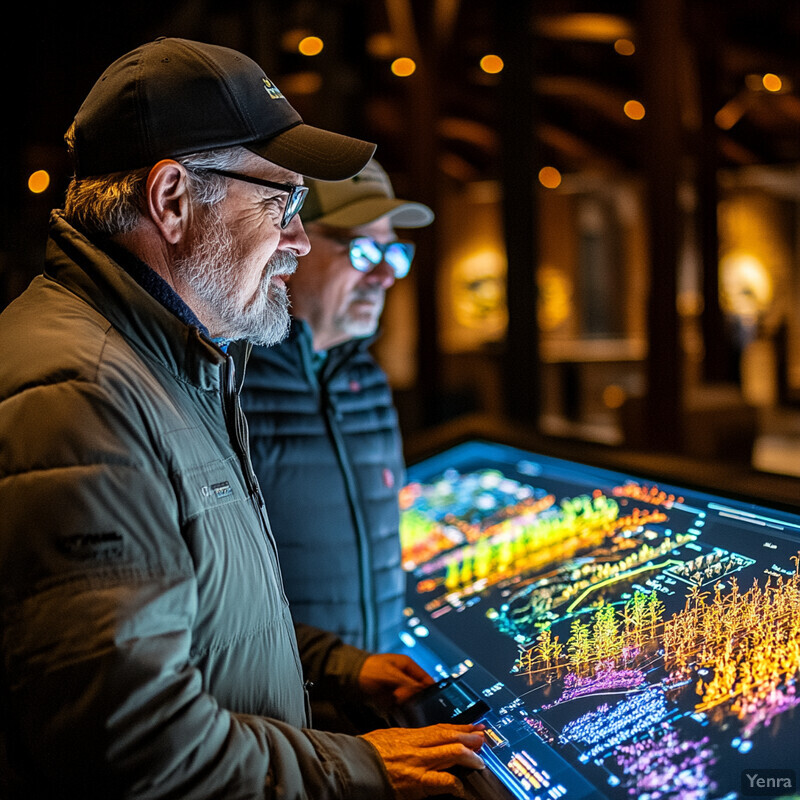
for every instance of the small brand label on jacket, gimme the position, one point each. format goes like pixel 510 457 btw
pixel 217 490
pixel 105 546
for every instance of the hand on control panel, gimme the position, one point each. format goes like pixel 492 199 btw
pixel 389 679
pixel 420 760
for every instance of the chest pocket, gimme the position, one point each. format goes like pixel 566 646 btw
pixel 239 587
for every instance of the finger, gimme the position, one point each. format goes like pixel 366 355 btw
pixel 436 783
pixel 434 736
pixel 415 671
pixel 467 757
pixel 421 740
pixel 393 674
pixel 450 726
pixel 474 741
pixel 451 755
pixel 409 679
pixel 403 693
pixel 471 735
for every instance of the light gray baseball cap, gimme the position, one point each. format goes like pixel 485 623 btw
pixel 361 200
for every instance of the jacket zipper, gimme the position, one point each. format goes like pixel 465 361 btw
pixel 239 435
pixel 367 593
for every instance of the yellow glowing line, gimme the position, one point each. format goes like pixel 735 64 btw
pixel 623 576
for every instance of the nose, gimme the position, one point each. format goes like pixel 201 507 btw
pixel 381 275
pixel 294 238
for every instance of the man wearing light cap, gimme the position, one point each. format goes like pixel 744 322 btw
pixel 323 428
pixel 147 644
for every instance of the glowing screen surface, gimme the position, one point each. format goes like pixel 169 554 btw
pixel 632 640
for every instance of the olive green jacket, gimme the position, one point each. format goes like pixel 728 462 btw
pixel 148 649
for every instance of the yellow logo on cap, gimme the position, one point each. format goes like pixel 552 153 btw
pixel 272 90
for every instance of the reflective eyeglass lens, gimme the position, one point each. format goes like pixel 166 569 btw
pixel 293 204
pixel 398 256
pixel 366 253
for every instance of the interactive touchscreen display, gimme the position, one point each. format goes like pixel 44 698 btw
pixel 630 639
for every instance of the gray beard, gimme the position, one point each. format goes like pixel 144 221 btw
pixel 357 327
pixel 210 271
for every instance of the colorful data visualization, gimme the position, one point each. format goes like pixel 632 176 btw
pixel 633 640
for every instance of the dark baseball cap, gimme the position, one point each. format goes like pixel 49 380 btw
pixel 172 97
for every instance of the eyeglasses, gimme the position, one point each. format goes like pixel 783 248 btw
pixel 366 254
pixel 297 194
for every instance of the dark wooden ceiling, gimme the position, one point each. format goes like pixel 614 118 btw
pixel 559 101
pixel 698 67
pixel 580 83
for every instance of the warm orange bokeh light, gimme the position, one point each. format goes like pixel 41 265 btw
pixel 614 396
pixel 381 45
pixel 727 116
pixel 403 67
pixel 625 47
pixel 310 46
pixel 633 109
pixel 586 27
pixel 492 64
pixel 772 83
pixel 39 181
pixel 549 177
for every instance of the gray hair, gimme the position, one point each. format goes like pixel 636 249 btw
pixel 108 205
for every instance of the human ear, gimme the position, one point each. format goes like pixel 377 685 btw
pixel 168 203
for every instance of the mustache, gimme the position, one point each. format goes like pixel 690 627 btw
pixel 281 262
pixel 369 294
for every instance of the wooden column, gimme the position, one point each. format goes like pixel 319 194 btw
pixel 718 357
pixel 419 38
pixel 662 165
pixel 518 168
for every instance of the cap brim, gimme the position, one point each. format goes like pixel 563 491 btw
pixel 316 153
pixel 402 213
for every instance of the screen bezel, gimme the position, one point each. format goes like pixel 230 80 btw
pixel 727 479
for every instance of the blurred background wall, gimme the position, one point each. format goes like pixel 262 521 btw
pixel 615 257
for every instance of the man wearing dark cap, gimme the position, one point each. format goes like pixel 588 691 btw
pixel 148 648
pixel 324 432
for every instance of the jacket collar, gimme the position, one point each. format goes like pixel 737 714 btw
pixel 94 273
pixel 333 359
pixel 301 330
pixel 153 284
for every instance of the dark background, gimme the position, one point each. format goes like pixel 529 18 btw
pixel 557 101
